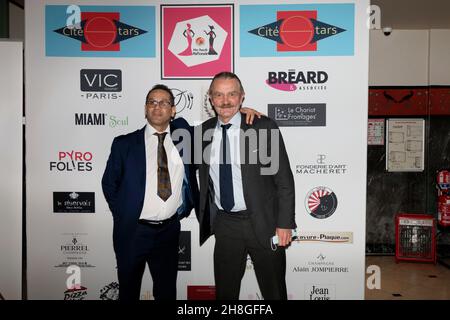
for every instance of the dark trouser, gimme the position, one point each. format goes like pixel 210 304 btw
pixel 158 247
pixel 235 239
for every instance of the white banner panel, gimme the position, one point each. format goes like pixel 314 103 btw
pixel 303 64
pixel 11 102
pixel 318 96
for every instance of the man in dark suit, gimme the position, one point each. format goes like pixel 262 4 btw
pixel 149 186
pixel 244 199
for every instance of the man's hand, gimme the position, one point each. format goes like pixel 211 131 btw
pixel 250 114
pixel 284 237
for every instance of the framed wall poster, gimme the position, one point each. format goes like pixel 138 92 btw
pixel 375 132
pixel 405 145
pixel 197 41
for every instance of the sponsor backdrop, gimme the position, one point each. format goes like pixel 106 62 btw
pixel 89 67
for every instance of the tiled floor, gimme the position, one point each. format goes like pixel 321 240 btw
pixel 409 280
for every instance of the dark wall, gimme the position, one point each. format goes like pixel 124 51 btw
pixel 389 193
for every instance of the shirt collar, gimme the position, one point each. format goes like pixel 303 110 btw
pixel 235 121
pixel 149 130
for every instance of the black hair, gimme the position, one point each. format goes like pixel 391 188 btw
pixel 164 88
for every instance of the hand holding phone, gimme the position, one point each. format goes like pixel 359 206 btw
pixel 275 237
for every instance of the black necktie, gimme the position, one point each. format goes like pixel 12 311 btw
pixel 225 175
pixel 164 188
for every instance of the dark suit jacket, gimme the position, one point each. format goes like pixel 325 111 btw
pixel 270 199
pixel 124 182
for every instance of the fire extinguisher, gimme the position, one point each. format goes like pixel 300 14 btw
pixel 443 207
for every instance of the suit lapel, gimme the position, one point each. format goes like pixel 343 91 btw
pixel 206 213
pixel 139 162
pixel 243 156
pixel 207 151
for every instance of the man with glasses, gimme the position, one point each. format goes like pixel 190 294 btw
pixel 149 186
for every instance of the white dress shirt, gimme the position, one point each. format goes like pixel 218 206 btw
pixel 234 137
pixel 154 207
